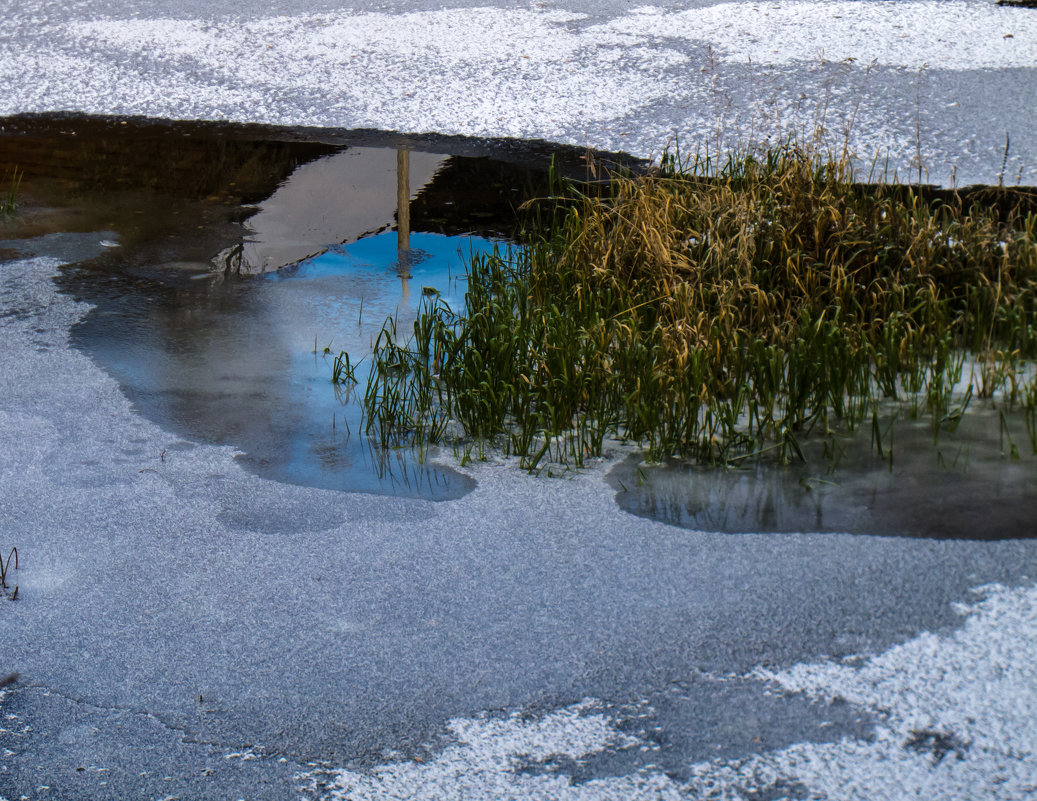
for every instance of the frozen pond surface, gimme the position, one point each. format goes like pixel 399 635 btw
pixel 187 628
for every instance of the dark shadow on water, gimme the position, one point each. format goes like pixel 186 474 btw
pixel 228 265
pixel 969 485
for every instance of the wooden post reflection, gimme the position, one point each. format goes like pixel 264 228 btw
pixel 402 201
pixel 403 220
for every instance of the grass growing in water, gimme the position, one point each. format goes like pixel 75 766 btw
pixel 719 313
pixel 9 200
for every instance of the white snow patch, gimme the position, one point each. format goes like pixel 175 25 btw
pixel 477 71
pixel 975 688
pixel 980 682
pixel 486 759
pixel 938 35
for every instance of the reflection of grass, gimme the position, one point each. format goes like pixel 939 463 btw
pixel 9 201
pixel 718 313
pixel 343 371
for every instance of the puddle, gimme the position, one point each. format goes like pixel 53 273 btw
pixel 968 486
pixel 229 265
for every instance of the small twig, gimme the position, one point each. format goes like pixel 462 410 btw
pixel 4 567
pixel 918 124
pixel 1004 163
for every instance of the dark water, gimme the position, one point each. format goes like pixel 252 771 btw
pixel 969 484
pixel 228 266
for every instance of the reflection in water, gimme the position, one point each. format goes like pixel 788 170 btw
pixel 403 254
pixel 403 201
pixel 248 362
pixel 969 485
pixel 335 199
pixel 323 243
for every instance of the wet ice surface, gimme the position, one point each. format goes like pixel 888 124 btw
pixel 369 632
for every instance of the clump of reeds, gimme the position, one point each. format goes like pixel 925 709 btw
pixel 717 313
pixel 9 200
